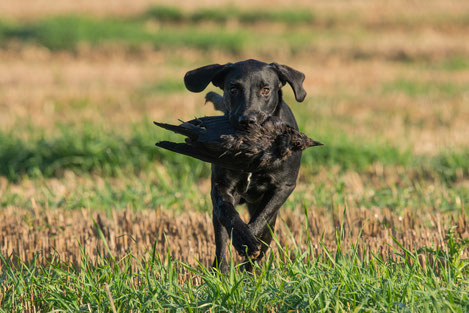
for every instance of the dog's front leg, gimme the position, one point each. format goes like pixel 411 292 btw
pixel 225 214
pixel 265 214
pixel 263 218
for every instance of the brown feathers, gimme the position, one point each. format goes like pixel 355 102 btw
pixel 259 146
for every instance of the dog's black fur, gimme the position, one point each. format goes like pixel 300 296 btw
pixel 252 92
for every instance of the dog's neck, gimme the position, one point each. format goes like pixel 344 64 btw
pixel 279 104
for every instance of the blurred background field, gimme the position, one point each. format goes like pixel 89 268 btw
pixel 82 81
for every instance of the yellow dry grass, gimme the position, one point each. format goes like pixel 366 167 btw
pixel 45 88
pixel 188 236
pixel 373 10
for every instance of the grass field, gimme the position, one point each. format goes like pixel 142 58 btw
pixel 95 218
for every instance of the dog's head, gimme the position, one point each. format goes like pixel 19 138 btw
pixel 252 89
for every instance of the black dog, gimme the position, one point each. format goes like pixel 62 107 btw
pixel 252 92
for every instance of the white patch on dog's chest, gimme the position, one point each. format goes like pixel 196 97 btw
pixel 248 181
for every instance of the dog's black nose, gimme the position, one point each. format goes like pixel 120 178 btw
pixel 247 120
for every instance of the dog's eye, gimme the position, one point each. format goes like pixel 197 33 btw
pixel 265 91
pixel 233 90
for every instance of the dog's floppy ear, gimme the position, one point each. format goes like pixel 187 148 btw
pixel 293 77
pixel 198 79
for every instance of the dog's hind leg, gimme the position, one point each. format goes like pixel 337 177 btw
pixel 221 239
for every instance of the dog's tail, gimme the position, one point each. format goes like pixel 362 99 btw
pixel 217 101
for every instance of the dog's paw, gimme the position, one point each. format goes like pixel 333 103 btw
pixel 222 266
pixel 244 241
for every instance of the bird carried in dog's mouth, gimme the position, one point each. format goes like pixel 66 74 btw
pixel 258 146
